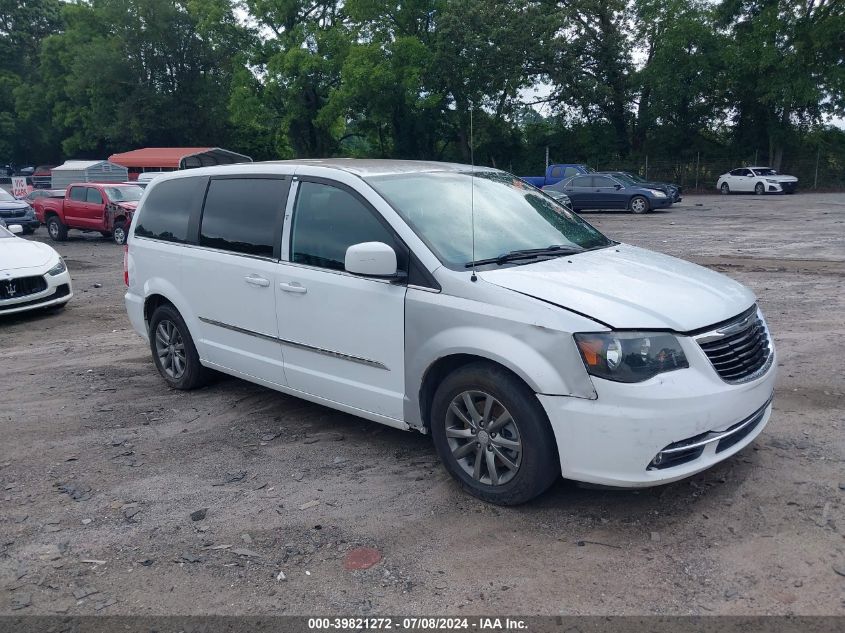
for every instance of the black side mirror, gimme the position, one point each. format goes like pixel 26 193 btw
pixel 617 186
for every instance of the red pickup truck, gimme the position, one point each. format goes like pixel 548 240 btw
pixel 90 206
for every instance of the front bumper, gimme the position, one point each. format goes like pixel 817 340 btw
pixel 613 439
pixel 28 224
pixel 660 203
pixel 58 290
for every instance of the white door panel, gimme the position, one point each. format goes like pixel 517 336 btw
pixel 234 297
pixel 343 337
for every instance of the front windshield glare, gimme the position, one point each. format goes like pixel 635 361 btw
pixel 124 194
pixel 509 215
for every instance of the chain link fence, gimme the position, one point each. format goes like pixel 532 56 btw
pixel 699 173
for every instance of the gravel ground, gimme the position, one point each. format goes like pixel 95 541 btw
pixel 101 467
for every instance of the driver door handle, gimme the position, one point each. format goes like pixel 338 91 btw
pixel 292 286
pixel 255 280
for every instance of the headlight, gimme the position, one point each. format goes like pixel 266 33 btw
pixel 58 269
pixel 30 212
pixel 657 193
pixel 630 356
pixel 771 180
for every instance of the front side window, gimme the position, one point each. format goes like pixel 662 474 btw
pixel 508 214
pixel 603 181
pixel 77 194
pixel 93 196
pixel 243 215
pixel 327 220
pixel 570 172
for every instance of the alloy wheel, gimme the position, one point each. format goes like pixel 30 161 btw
pixel 638 205
pixel 54 229
pixel 170 349
pixel 484 438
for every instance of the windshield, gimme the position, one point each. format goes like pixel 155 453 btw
pixel 509 215
pixel 634 177
pixel 5 196
pixel 130 193
pixel 765 171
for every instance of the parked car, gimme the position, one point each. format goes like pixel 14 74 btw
pixel 528 347
pixel 556 173
pixel 106 208
pixel 32 275
pixel 670 189
pixel 17 212
pixel 760 180
pixel 598 191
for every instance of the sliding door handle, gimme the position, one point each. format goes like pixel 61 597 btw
pixel 292 286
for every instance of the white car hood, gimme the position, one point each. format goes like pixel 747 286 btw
pixel 781 178
pixel 629 288
pixel 17 253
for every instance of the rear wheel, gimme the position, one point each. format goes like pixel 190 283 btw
pixel 119 232
pixel 725 189
pixel 492 435
pixel 56 229
pixel 173 349
pixel 759 189
pixel 639 204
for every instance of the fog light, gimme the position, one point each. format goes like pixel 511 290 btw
pixel 658 459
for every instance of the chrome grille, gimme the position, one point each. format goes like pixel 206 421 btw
pixel 741 349
pixel 21 287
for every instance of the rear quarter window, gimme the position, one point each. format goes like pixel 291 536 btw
pixel 166 212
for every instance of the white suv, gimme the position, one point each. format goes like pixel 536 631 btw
pixel 457 302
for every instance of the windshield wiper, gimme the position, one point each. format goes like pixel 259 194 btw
pixel 526 253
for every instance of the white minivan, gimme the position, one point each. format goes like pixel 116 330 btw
pixel 455 301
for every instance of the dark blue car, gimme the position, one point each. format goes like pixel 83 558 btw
pixel 599 191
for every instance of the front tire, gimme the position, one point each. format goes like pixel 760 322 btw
pixel 725 189
pixel 174 353
pixel 492 435
pixel 638 204
pixel 56 229
pixel 119 233
pixel 759 189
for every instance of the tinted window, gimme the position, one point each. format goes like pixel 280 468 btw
pixel 603 181
pixel 166 211
pixel 328 220
pixel 243 215
pixel 93 196
pixel 78 194
pixel 556 172
pixel 570 171
pixel 583 181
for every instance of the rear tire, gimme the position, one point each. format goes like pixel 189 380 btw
pixel 174 353
pixel 725 189
pixel 508 435
pixel 56 229
pixel 638 204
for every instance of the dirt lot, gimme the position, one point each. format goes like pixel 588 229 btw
pixel 101 466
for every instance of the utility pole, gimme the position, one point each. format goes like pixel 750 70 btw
pixel 646 167
pixel 697 162
pixel 547 156
pixel 816 178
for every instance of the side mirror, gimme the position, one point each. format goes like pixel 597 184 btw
pixel 372 259
pixel 617 186
pixel 17 229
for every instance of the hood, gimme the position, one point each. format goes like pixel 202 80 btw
pixel 18 253
pixel 129 206
pixel 630 288
pixel 781 178
pixel 13 205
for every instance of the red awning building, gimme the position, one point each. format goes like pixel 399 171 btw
pixel 172 158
